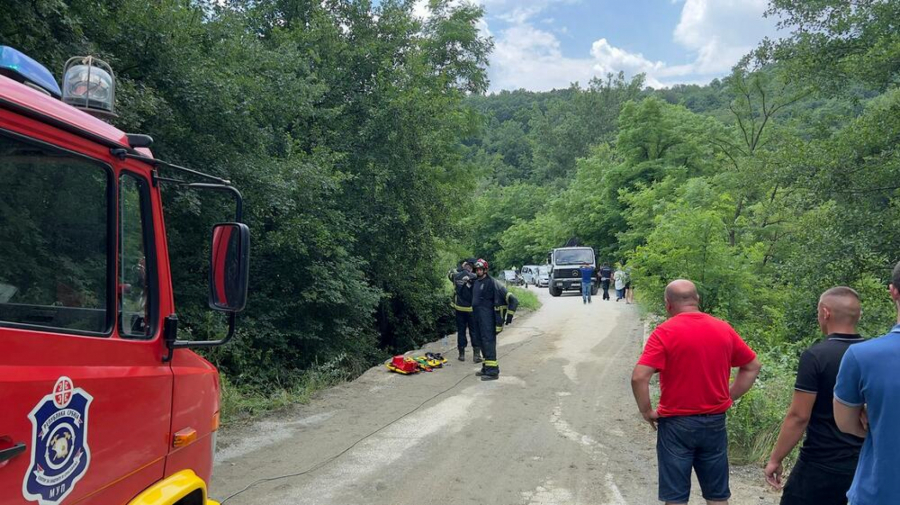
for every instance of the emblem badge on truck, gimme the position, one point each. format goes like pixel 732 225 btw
pixel 59 451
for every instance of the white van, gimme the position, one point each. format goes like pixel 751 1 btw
pixel 530 274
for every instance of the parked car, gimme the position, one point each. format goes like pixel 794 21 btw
pixel 512 278
pixel 543 276
pixel 530 274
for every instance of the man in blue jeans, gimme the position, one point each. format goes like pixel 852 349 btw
pixel 694 354
pixel 587 275
pixel 867 404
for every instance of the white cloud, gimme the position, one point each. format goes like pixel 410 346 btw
pixel 715 34
pixel 530 58
pixel 526 57
pixel 609 58
pixel 721 31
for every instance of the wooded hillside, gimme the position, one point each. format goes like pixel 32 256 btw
pixel 371 160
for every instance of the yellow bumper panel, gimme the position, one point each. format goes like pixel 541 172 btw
pixel 171 490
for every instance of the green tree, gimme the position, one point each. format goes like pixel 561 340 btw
pixel 833 43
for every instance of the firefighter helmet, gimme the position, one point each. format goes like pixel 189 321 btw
pixel 483 264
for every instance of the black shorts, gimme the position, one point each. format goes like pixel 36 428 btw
pixel 810 484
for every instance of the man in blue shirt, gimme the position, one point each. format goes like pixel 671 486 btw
pixel 587 275
pixel 867 404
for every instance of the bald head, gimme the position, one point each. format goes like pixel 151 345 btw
pixel 682 296
pixel 839 310
pixel 895 288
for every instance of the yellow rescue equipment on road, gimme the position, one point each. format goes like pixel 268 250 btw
pixel 410 365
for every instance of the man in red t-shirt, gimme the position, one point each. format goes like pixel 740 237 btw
pixel 694 354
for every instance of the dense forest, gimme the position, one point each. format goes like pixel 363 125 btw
pixel 372 159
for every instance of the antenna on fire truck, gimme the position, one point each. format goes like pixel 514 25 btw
pixel 89 85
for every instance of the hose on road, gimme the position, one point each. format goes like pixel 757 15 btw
pixel 536 333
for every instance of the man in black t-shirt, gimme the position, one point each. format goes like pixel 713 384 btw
pixel 827 462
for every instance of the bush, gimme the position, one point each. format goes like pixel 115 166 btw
pixel 241 401
pixel 528 300
pixel 755 419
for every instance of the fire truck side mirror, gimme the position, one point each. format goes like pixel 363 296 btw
pixel 229 267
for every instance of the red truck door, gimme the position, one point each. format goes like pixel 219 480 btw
pixel 85 395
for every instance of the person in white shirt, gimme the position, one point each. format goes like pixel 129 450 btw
pixel 619 277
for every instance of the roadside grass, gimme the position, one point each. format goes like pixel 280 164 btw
pixel 528 300
pixel 242 403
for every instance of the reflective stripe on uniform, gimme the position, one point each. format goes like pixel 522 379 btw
pixel 510 312
pixel 488 362
pixel 459 307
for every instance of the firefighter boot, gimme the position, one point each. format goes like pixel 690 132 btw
pixel 462 354
pixel 476 355
pixel 488 374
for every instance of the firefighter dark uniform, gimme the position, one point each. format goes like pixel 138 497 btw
pixel 493 307
pixel 463 281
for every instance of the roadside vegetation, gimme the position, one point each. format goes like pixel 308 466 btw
pixel 528 299
pixel 243 403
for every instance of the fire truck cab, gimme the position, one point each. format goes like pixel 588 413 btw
pixel 100 402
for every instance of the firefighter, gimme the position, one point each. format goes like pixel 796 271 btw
pixel 462 280
pixel 493 306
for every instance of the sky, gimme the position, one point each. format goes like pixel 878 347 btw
pixel 545 44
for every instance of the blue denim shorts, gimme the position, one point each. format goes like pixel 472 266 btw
pixel 692 442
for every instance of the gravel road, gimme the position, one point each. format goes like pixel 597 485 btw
pixel 559 427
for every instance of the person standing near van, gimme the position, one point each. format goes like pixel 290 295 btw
pixel 827 462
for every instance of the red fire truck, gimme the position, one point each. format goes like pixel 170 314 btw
pixel 100 401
